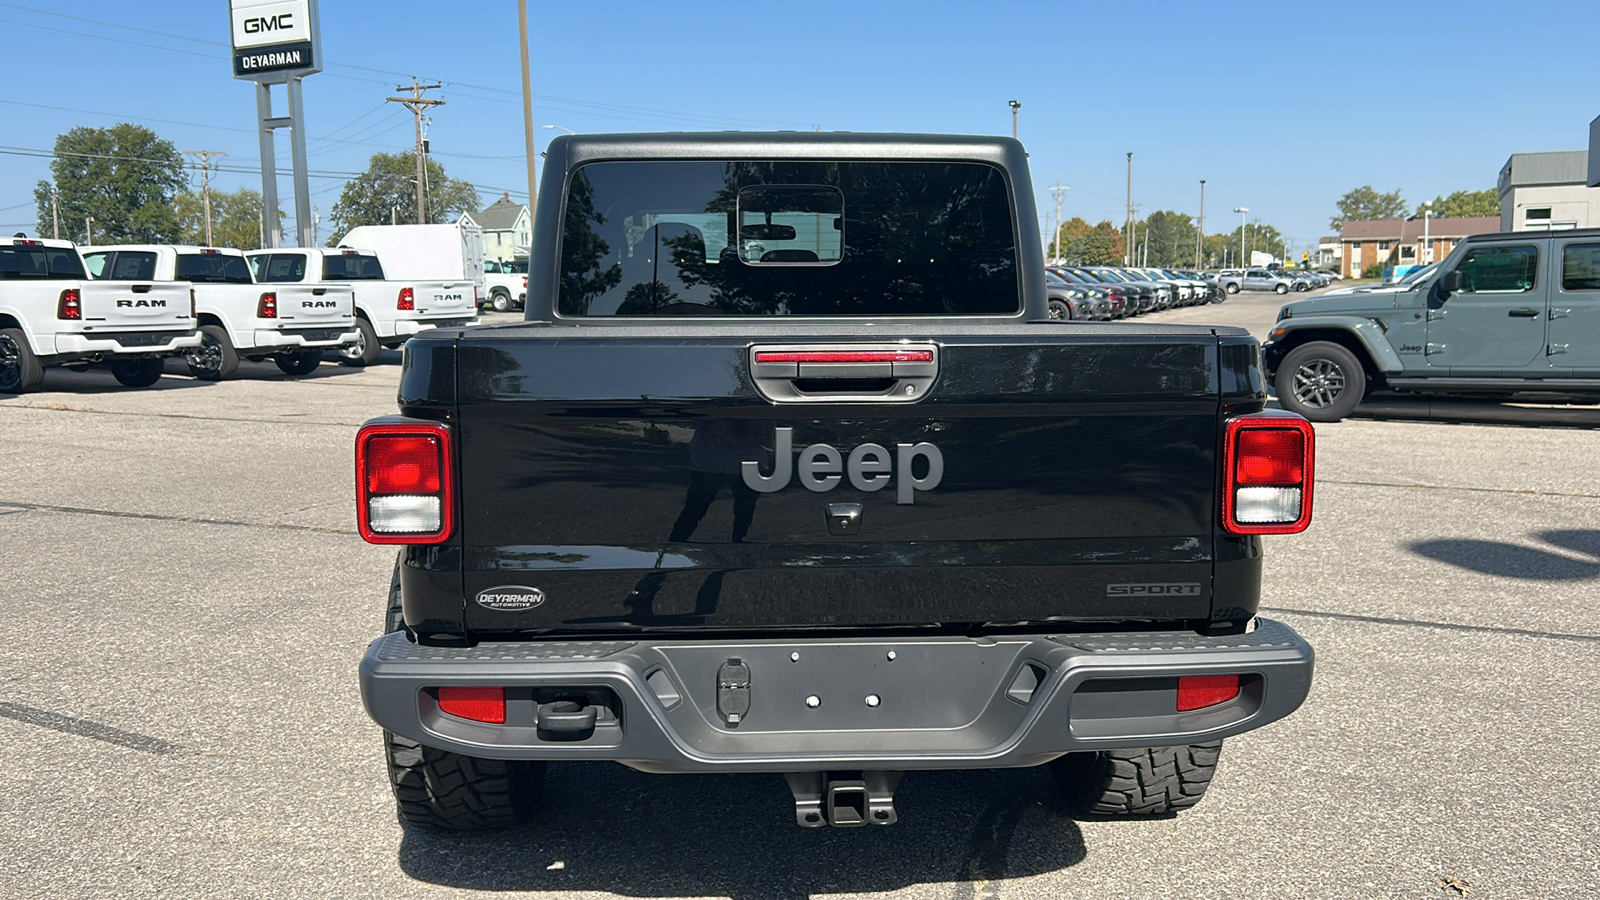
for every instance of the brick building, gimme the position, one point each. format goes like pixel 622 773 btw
pixel 1400 241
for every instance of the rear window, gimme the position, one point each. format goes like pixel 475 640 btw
pixel 351 267
pixel 279 268
pixel 762 238
pixel 18 263
pixel 213 268
pixel 130 265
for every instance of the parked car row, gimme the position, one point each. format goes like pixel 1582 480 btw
pixel 1103 293
pixel 1281 281
pixel 131 306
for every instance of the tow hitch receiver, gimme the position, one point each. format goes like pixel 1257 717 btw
pixel 843 799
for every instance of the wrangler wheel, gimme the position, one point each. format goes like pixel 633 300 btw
pixel 1322 381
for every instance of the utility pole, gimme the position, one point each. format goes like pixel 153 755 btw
pixel 1200 232
pixel 1127 256
pixel 88 231
pixel 205 180
pixel 1059 190
pixel 55 212
pixel 1014 107
pixel 418 106
pixel 527 106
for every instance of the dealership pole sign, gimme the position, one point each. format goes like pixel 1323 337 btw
pixel 275 41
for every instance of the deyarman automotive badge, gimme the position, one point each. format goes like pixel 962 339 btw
pixel 510 598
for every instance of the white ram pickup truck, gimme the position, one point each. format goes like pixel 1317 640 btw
pixel 291 324
pixel 387 312
pixel 52 314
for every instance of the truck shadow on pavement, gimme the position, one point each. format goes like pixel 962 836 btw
pixel 604 827
pixel 1520 560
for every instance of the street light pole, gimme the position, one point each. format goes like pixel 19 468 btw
pixel 1241 210
pixel 1014 107
pixel 562 127
pixel 1200 231
pixel 1127 255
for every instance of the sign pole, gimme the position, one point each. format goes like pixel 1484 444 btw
pixel 269 167
pixel 297 149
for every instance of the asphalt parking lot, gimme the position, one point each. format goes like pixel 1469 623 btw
pixel 188 601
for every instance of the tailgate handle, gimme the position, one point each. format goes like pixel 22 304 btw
pixel 318 292
pixel 142 288
pixel 878 373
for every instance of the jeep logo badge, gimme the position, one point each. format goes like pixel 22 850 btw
pixel 510 598
pixel 822 468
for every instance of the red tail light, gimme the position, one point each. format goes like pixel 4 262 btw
pixel 524 282
pixel 267 307
pixel 408 300
pixel 1267 473
pixel 69 307
pixel 480 704
pixel 405 486
pixel 1201 691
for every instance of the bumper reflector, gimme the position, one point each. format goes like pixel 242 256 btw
pixel 1254 505
pixel 404 513
pixel 1201 691
pixel 480 704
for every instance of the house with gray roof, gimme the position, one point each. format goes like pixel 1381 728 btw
pixel 507 229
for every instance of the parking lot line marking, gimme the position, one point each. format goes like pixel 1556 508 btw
pixel 84 728
pixel 1447 626
pixel 1457 487
pixel 84 511
pixel 139 415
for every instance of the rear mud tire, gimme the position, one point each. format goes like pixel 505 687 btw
pixel 136 373
pixel 364 352
pixel 501 301
pixel 442 790
pixel 20 370
pixel 1153 781
pixel 215 358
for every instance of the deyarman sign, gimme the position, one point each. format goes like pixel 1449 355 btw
pixel 275 40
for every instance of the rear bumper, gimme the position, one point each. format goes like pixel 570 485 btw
pixel 940 703
pixel 127 342
pixel 408 327
pixel 332 336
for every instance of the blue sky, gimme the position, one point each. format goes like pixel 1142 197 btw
pixel 1280 107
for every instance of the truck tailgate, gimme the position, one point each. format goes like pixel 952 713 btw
pixel 141 305
pixel 1077 482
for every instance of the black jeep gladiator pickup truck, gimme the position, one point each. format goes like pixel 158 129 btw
pixel 788 470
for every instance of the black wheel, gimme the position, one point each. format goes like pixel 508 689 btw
pixel 136 372
pixel 1153 781
pixel 1060 310
pixel 364 352
pixel 19 368
pixel 1281 288
pixel 438 789
pixel 1232 288
pixel 302 363
pixel 500 300
pixel 1321 380
pixel 215 358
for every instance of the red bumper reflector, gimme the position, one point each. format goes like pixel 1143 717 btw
pixel 844 356
pixel 480 704
pixel 1201 691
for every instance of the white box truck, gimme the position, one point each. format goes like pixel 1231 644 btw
pixel 424 252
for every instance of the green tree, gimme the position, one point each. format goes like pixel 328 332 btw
pixel 235 219
pixel 1466 203
pixel 123 176
pixel 1364 204
pixel 390 183
pixel 1082 244
pixel 1171 236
